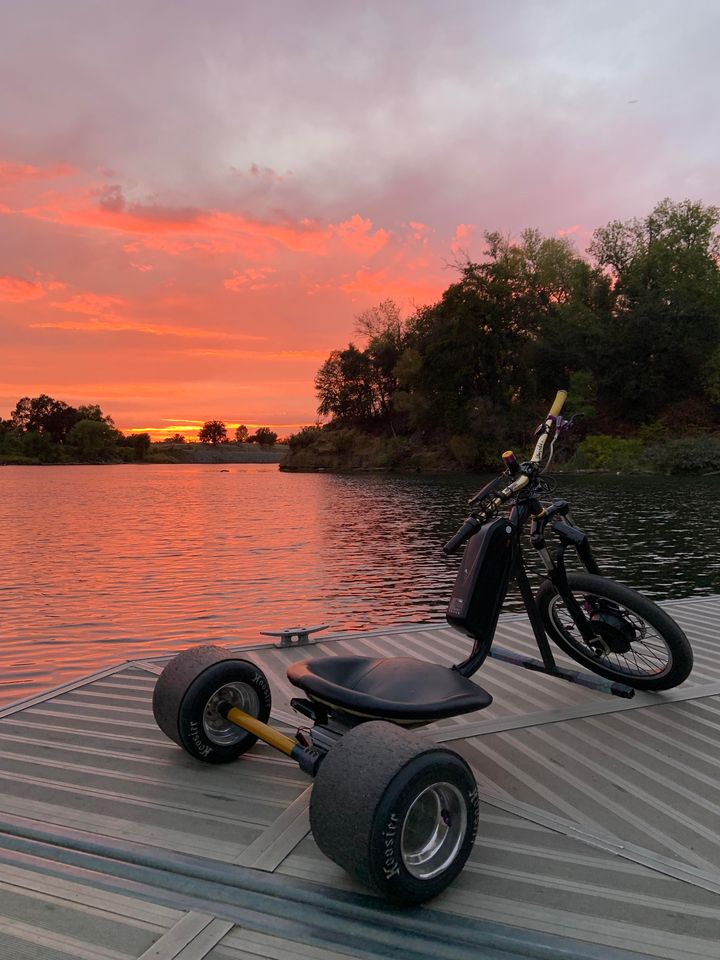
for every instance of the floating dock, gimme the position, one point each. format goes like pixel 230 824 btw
pixel 599 829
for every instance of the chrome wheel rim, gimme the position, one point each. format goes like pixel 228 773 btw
pixel 433 830
pixel 219 730
pixel 649 654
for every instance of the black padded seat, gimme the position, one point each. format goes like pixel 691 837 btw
pixel 396 688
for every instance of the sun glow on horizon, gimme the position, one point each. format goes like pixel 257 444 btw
pixel 190 431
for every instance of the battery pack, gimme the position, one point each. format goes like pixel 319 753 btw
pixel 482 580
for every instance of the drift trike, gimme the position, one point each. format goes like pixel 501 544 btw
pixel 393 809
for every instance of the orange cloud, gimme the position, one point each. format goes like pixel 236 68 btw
pixel 177 230
pixel 17 290
pixel 15 172
pixel 187 227
pixel 110 323
pixel 384 284
pixel 291 356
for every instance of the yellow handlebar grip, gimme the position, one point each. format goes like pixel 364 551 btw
pixel 558 403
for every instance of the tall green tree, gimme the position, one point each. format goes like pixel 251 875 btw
pixel 93 439
pixel 666 310
pixel 474 354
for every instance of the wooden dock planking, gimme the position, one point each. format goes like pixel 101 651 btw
pixel 599 822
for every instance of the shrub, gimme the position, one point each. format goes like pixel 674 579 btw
pixel 602 452
pixel 692 455
pixel 465 450
pixel 304 438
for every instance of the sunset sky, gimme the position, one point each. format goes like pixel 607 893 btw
pixel 198 198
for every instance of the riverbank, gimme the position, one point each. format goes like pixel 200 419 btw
pixel 350 450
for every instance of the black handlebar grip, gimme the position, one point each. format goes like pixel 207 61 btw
pixel 465 531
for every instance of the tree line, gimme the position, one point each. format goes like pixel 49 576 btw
pixel 52 431
pixel 215 432
pixel 633 330
pixel 43 429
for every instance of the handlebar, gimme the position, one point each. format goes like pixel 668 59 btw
pixel 547 425
pixel 500 490
pixel 558 403
pixel 464 533
pixel 496 499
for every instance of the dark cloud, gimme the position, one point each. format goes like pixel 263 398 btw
pixel 503 114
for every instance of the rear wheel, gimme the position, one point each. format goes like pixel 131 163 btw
pixel 397 813
pixel 634 641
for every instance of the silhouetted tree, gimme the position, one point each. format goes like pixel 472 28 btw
pixel 214 432
pixel 140 443
pixel 43 414
pixel 344 386
pixel 94 439
pixel 92 411
pixel 241 434
pixel 265 436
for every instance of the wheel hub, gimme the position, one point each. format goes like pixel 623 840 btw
pixel 615 632
pixel 433 830
pixel 218 729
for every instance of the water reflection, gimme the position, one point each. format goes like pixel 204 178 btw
pixel 105 563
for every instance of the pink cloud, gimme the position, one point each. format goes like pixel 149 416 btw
pixel 89 303
pixel 251 279
pixel 355 236
pixel 420 230
pixel 463 233
pixel 262 173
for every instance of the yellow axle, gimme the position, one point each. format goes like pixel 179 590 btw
pixel 262 731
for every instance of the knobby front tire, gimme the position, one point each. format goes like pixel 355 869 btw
pixel 636 642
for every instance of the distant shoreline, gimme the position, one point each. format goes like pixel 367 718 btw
pixel 167 453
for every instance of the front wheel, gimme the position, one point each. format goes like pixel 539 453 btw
pixel 634 641
pixel 190 691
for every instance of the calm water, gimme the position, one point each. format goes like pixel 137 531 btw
pixel 100 564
